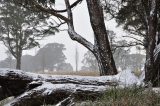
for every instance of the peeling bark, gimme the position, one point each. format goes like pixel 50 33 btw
pixel 152 64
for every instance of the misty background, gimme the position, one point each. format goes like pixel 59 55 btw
pixel 81 19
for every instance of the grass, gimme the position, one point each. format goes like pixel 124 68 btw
pixel 135 96
pixel 137 73
pixel 126 97
pixel 81 73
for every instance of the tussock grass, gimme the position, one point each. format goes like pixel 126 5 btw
pixel 125 97
pixel 135 96
pixel 137 73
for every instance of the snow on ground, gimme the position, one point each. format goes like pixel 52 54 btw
pixel 124 78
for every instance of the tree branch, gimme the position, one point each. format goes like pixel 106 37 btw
pixel 75 36
pixel 71 6
pixel 141 42
pixel 50 11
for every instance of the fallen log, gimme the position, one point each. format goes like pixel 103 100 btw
pixel 37 89
pixel 15 82
pixel 66 102
pixel 49 93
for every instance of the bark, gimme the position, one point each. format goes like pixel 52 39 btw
pixel 106 61
pixel 18 53
pixel 16 82
pixel 101 49
pixel 12 83
pixel 18 62
pixel 49 93
pixel 152 62
pixel 156 75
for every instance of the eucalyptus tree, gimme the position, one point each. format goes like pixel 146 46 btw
pixel 20 29
pixel 141 19
pixel 101 47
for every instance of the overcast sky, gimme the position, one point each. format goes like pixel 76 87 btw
pixel 82 26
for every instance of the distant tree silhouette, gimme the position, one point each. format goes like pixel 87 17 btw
pixel 50 57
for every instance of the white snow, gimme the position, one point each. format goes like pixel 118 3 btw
pixel 156 51
pixel 125 77
pixel 47 88
pixel 153 7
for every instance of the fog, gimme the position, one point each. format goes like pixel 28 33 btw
pixel 82 26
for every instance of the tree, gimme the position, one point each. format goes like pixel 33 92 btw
pixel 49 57
pixel 101 48
pixel 18 29
pixel 139 18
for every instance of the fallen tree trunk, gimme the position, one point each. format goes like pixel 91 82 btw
pixel 37 89
pixel 49 93
pixel 15 82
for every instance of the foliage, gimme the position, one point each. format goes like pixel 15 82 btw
pixel 49 57
pixel 21 28
pixel 133 16
pixel 123 60
pixel 89 62
pixel 45 1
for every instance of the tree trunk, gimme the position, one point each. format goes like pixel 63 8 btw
pixel 152 64
pixel 103 50
pixel 43 95
pixel 18 60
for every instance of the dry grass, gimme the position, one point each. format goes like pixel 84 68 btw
pixel 125 97
pixel 80 73
pixel 137 73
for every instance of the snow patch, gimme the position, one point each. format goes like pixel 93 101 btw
pixel 127 78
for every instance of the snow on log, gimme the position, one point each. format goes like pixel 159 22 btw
pixel 15 82
pixel 51 89
pixel 49 93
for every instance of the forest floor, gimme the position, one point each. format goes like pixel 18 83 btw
pixel 134 96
